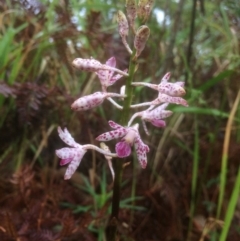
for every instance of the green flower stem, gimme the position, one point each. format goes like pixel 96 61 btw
pixel 118 167
pixel 128 91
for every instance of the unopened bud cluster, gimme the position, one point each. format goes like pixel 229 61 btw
pixel 108 74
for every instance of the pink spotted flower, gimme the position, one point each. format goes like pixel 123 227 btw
pixel 106 77
pixel 154 116
pixel 167 92
pixel 130 136
pixel 70 155
pixel 166 88
pixel 93 65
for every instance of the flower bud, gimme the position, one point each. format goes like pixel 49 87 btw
pixel 141 38
pixel 131 8
pixel 122 24
pixel 144 9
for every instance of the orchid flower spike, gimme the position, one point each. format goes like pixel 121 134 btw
pixel 172 89
pixel 106 76
pixel 93 65
pixel 90 101
pixel 130 136
pixel 70 155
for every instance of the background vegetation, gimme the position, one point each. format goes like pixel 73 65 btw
pixel 190 189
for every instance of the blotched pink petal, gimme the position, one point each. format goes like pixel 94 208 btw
pixel 157 113
pixel 123 149
pixel 110 135
pixel 172 89
pixel 66 137
pixel 162 98
pixel 105 75
pixel 166 77
pixel 70 155
pixel 141 150
pixel 114 125
pixel 73 165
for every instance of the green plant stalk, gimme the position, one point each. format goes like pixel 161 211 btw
pixel 194 176
pixel 118 168
pixel 231 208
pixel 223 174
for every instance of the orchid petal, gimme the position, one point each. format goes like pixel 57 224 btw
pixel 166 77
pixel 158 123
pixel 123 149
pixel 141 150
pixel 107 136
pixel 171 89
pixel 114 125
pixel 115 78
pixel 169 99
pixel 180 83
pixel 66 153
pixel 157 113
pixel 111 62
pixel 72 167
pixel 65 161
pixel 66 137
pixel 89 101
pixel 105 75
